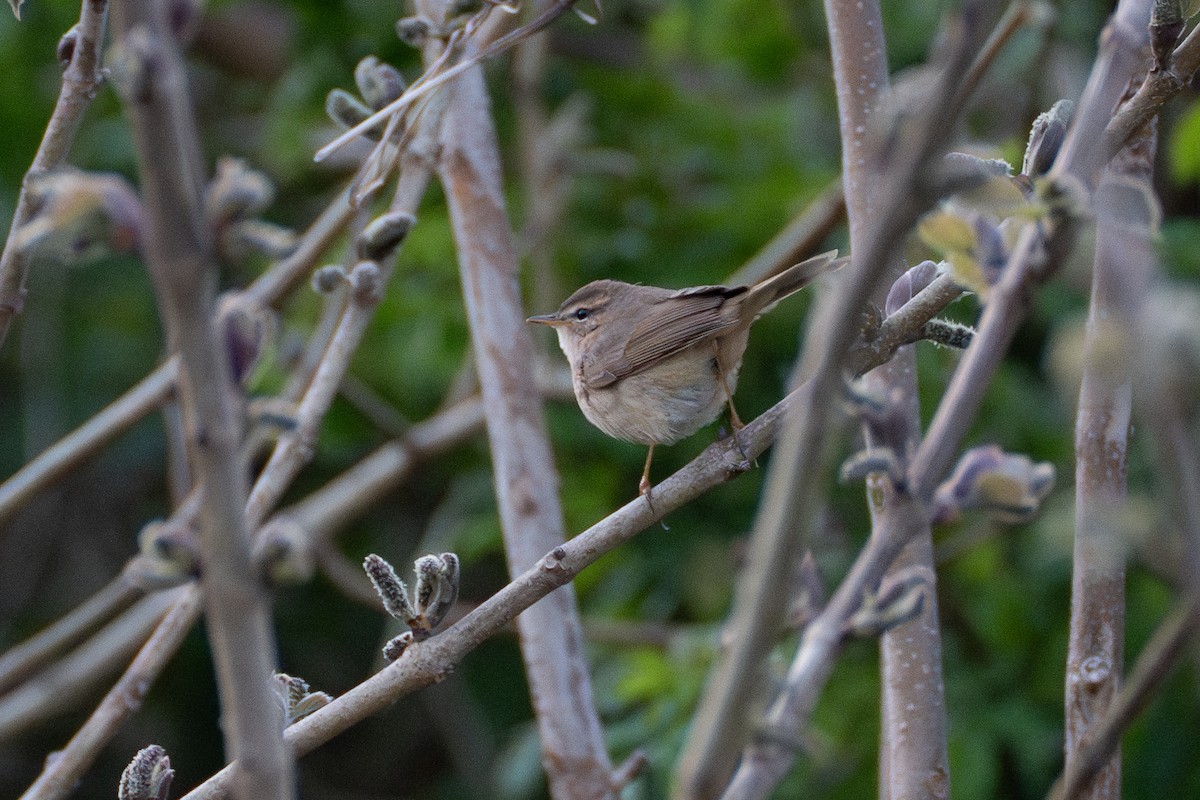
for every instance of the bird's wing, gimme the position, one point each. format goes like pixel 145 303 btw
pixel 673 324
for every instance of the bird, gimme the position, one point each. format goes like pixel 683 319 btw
pixel 652 366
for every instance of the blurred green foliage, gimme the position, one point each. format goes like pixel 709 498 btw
pixel 710 123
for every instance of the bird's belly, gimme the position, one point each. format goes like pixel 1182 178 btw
pixel 660 405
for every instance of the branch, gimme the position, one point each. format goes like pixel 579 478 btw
pixel 296 448
pixel 1154 664
pixel 178 251
pixel 22 660
pixel 1123 265
pixel 1167 644
pixel 81 79
pixel 1158 87
pixel 436 75
pixel 59 688
pixel 63 773
pixel 573 750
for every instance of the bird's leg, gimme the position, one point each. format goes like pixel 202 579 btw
pixel 644 483
pixel 734 420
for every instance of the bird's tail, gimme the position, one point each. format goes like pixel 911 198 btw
pixel 766 293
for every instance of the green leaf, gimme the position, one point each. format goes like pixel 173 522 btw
pixel 1184 153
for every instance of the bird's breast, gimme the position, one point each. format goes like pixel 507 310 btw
pixel 659 405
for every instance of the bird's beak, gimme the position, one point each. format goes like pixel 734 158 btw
pixel 545 319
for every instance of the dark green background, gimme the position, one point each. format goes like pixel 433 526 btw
pixel 710 124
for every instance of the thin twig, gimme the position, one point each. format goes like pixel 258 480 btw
pixel 288 273
pixel 62 686
pixel 80 81
pixel 898 329
pixel 68 453
pixel 434 78
pixel 19 662
pixel 64 771
pixel 1018 14
pixel 296 448
pixel 355 491
pixel 1158 87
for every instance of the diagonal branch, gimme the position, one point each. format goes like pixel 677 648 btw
pixel 151 392
pixel 63 773
pixel 1158 87
pixel 81 79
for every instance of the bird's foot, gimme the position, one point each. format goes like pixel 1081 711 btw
pixel 644 490
pixel 746 462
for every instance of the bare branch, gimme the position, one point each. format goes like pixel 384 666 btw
pixel 63 772
pixel 1158 87
pixel 67 454
pixel 1168 643
pixel 81 79
pixel 439 74
pixel 1123 266
pixel 178 251
pixel 19 662
pixel 296 448
pixel 574 753
pixel 60 687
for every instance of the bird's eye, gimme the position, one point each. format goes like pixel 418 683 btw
pixel 582 314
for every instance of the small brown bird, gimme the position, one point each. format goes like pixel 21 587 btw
pixel 653 366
